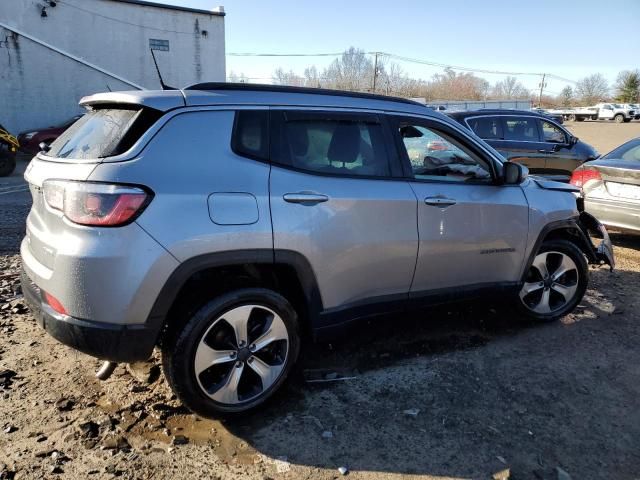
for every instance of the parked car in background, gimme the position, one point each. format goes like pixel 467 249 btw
pixel 548 113
pixel 635 107
pixel 611 186
pixel 615 112
pixel 531 139
pixel 8 148
pixel 293 212
pixel 30 140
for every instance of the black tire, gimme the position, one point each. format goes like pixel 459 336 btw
pixel 580 119
pixel 582 270
pixel 7 165
pixel 594 117
pixel 619 118
pixel 179 350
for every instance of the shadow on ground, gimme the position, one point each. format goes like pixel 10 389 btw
pixel 491 392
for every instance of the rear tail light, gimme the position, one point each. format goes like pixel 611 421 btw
pixel 96 204
pixel 55 303
pixel 580 177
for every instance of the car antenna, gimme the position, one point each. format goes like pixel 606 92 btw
pixel 162 84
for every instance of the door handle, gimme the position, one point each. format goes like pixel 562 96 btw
pixel 305 197
pixel 543 151
pixel 439 201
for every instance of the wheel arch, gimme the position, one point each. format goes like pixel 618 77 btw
pixel 569 229
pixel 197 279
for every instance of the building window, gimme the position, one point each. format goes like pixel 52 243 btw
pixel 156 44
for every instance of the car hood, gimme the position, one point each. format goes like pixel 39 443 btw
pixel 551 185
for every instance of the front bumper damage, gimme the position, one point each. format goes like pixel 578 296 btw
pixel 592 228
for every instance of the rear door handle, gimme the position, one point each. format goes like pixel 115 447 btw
pixel 305 197
pixel 439 201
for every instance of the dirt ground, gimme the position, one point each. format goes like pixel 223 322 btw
pixel 467 391
pixel 604 135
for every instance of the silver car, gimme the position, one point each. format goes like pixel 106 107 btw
pixel 611 186
pixel 224 223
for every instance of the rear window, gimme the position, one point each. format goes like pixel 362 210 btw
pixel 103 133
pixel 251 134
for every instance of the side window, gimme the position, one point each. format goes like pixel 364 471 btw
pixel 435 155
pixel 522 129
pixel 333 144
pixel 250 136
pixel 488 128
pixel 552 134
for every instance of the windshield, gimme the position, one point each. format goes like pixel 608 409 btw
pixel 95 135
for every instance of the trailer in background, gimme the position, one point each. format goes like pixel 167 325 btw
pixel 577 114
pixel 465 105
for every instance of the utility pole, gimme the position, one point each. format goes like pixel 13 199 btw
pixel 375 72
pixel 542 85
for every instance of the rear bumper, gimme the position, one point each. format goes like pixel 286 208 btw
pixel 106 341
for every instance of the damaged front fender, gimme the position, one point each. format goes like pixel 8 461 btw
pixel 592 228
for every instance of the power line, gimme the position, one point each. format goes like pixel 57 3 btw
pixel 403 59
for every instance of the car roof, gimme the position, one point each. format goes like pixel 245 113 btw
pixel 209 94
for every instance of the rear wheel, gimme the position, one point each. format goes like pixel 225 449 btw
pixel 234 353
pixel 555 282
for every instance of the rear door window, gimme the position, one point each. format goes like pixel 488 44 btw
pixel 488 128
pixel 521 129
pixel 99 133
pixel 331 143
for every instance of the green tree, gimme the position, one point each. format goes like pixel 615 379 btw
pixel 628 86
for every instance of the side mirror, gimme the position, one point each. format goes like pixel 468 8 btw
pixel 44 147
pixel 514 173
pixel 573 140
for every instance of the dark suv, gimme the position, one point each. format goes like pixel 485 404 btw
pixel 534 140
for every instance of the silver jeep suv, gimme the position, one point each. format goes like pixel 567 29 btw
pixel 222 223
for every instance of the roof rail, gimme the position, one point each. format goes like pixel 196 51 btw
pixel 262 87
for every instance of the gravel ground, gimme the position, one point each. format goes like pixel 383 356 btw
pixel 461 392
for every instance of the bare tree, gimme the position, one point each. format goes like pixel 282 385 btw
pixel 280 77
pixel 235 78
pixel 566 96
pixel 628 86
pixel 592 89
pixel 311 77
pixel 450 85
pixel 510 88
pixel 352 71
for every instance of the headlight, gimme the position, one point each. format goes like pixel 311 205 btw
pixel 30 135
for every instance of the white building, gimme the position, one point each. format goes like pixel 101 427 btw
pixel 52 53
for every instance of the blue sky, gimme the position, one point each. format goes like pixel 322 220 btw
pixel 570 38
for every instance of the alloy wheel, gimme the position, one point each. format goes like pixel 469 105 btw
pixel 551 283
pixel 241 354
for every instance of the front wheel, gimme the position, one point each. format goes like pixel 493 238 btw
pixel 555 283
pixel 233 353
pixel 619 118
